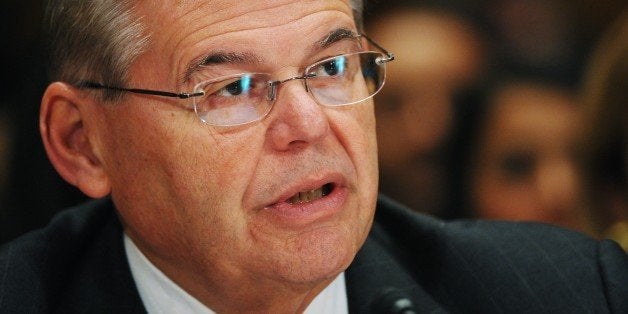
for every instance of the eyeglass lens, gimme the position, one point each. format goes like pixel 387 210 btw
pixel 337 81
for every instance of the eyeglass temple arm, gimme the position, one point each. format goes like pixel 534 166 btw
pixel 389 55
pixel 94 85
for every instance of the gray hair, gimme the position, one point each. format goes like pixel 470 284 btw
pixel 358 13
pixel 92 40
pixel 100 39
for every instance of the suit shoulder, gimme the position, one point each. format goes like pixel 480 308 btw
pixel 521 267
pixel 69 228
pixel 395 222
pixel 36 265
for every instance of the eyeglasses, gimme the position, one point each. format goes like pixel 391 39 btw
pixel 248 97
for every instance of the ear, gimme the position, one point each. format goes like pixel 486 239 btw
pixel 62 119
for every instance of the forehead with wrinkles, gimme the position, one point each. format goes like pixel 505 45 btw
pixel 181 31
pixel 227 10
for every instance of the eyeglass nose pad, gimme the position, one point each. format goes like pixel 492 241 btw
pixel 305 77
pixel 272 90
pixel 380 60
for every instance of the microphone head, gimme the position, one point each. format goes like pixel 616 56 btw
pixel 392 300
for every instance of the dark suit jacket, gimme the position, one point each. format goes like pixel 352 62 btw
pixel 77 265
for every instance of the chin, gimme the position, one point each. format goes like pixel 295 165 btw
pixel 318 256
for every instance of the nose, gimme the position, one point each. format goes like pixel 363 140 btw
pixel 558 187
pixel 296 120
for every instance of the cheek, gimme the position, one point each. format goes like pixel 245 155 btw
pixel 354 126
pixel 368 131
pixel 167 180
pixel 208 174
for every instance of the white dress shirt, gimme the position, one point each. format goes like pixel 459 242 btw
pixel 161 295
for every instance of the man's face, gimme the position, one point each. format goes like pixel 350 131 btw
pixel 202 200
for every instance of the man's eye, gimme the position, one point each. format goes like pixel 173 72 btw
pixel 236 88
pixel 333 67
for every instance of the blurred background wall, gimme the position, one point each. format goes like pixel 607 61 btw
pixel 465 72
pixel 31 190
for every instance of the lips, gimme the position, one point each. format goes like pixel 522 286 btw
pixel 308 201
pixel 311 195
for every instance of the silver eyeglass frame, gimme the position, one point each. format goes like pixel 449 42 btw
pixel 272 91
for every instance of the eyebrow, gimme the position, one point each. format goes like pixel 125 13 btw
pixel 333 37
pixel 219 57
pixel 222 57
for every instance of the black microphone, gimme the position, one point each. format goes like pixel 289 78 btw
pixel 391 300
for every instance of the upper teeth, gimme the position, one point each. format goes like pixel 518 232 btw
pixel 305 197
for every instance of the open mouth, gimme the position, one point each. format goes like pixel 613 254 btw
pixel 310 196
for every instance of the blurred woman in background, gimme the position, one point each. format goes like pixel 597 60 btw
pixel 516 153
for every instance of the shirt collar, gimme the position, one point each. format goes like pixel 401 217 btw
pixel 161 295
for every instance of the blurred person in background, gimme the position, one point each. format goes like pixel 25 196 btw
pixel 606 133
pixel 517 158
pixel 438 54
